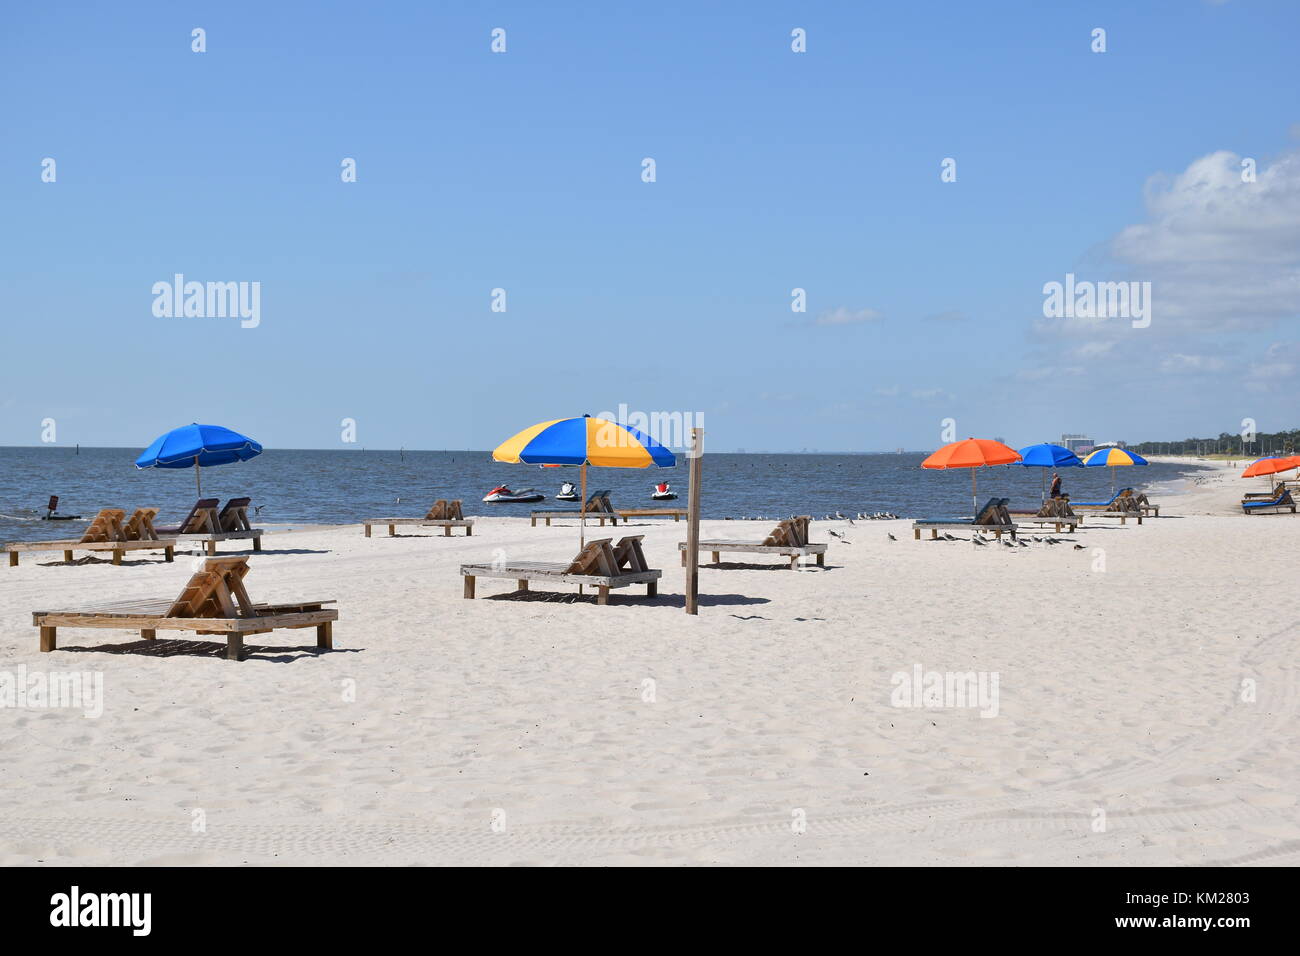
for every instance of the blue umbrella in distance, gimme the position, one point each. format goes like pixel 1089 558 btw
pixel 198 446
pixel 1046 456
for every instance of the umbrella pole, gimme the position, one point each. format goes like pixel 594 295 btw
pixel 974 498
pixel 198 485
pixel 1044 486
pixel 582 516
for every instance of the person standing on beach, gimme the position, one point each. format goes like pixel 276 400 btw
pixel 1056 485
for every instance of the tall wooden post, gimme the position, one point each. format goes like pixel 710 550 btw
pixel 693 522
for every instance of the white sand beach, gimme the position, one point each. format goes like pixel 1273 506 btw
pixel 515 729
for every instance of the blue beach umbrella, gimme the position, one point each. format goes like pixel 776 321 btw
pixel 198 446
pixel 1046 456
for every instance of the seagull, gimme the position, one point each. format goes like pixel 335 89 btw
pixel 1024 544
pixel 1008 544
pixel 1053 540
pixel 257 510
pixel 891 537
pixel 978 541
pixel 1078 547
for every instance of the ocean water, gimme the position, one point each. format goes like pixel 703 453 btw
pixel 296 486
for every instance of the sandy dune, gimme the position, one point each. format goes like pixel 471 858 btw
pixel 515 729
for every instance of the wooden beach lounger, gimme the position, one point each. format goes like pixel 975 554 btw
pixel 1124 501
pixel 597 506
pixel 1123 506
pixel 206 524
pixel 597 565
pixel 992 517
pixel 1272 505
pixel 106 533
pixel 213 602
pixel 677 514
pixel 1055 511
pixel 444 514
pixel 789 539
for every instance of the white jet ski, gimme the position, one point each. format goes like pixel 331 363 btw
pixel 663 493
pixel 568 492
pixel 502 493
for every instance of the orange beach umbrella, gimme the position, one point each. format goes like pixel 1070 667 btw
pixel 1271 466
pixel 972 453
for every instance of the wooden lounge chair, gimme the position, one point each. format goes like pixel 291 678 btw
pixel 1055 511
pixel 139 527
pixel 1146 506
pixel 1279 502
pixel 597 565
pixel 1123 506
pixel 677 514
pixel 204 523
pixel 994 517
pixel 105 533
pixel 597 506
pixel 789 538
pixel 234 516
pixel 444 514
pixel 213 602
pixel 202 519
pixel 1123 502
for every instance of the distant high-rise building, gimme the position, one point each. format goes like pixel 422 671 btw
pixel 1079 444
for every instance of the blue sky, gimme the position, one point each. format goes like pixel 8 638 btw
pixel 775 170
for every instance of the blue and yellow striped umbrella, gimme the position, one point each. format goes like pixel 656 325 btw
pixel 1113 458
pixel 584 441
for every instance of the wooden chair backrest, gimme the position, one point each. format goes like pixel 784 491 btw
pixel 598 503
pixel 234 516
pixel 628 555
pixel 139 527
pixel 216 591
pixel 106 526
pixel 790 533
pixel 202 517
pixel 444 510
pixel 596 558
pixel 989 513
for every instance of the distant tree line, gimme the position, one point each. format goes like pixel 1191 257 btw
pixel 1260 445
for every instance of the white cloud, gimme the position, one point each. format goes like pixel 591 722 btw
pixel 1179 362
pixel 1220 253
pixel 843 316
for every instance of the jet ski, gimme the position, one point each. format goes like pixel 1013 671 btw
pixel 502 493
pixel 568 492
pixel 663 493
